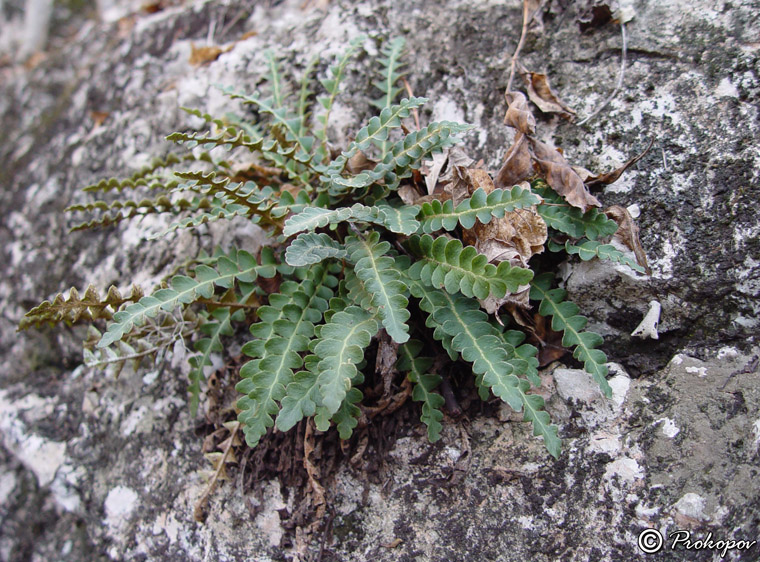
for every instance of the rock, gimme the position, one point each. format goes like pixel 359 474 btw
pixel 97 468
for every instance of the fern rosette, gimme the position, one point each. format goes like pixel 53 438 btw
pixel 364 264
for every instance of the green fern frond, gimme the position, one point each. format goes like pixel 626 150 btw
pixel 310 248
pixel 524 361
pixel 404 156
pixel 315 217
pixel 302 396
pixel 285 328
pixel 374 133
pixel 400 218
pixel 332 86
pixel 280 117
pixel 408 153
pixel 425 293
pixel 274 79
pixel 565 317
pixel 305 94
pixel 213 330
pixel 381 279
pixel 119 211
pixel 233 192
pixel 147 182
pixel 590 249
pixel 340 347
pixel 183 291
pixel 229 138
pixel 74 308
pixel 424 385
pixel 214 214
pixel 347 416
pixel 158 163
pixel 479 343
pixel 356 292
pixel 481 206
pixel 391 63
pixel 445 262
pixel 560 216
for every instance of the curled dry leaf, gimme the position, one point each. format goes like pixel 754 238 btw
pixel 514 238
pixel 410 196
pixel 518 114
pixel 385 362
pixel 359 163
pixel 449 184
pixel 561 176
pixel 431 169
pixel 593 181
pixel 478 178
pixel 457 188
pixel 204 54
pixel 518 163
pixel 628 234
pixel 543 96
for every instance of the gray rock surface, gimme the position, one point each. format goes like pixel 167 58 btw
pixel 93 468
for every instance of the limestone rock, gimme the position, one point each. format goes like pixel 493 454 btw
pixel 99 469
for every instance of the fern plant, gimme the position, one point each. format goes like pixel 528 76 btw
pixel 352 257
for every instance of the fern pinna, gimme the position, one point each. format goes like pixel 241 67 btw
pixel 357 249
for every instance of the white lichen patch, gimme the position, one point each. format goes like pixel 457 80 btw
pixel 620 384
pixel 727 352
pixel 119 504
pixel 677 359
pixel 139 420
pixel 268 521
pixel 668 426
pixel 726 88
pixel 699 371
pixel 42 456
pixel 7 486
pixel 691 505
pixel 604 442
pixel 576 385
pixel 626 469
pixel 447 109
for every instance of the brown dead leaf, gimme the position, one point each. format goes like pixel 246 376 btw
pixel 628 234
pixel 518 114
pixel 444 184
pixel 477 178
pixel 385 362
pixel 99 117
pixel 204 54
pixel 457 189
pixel 548 341
pixel 543 96
pixel 514 238
pixel 518 163
pixel 561 177
pixel 152 7
pixel 431 169
pixel 359 163
pixel 409 195
pixel 610 177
